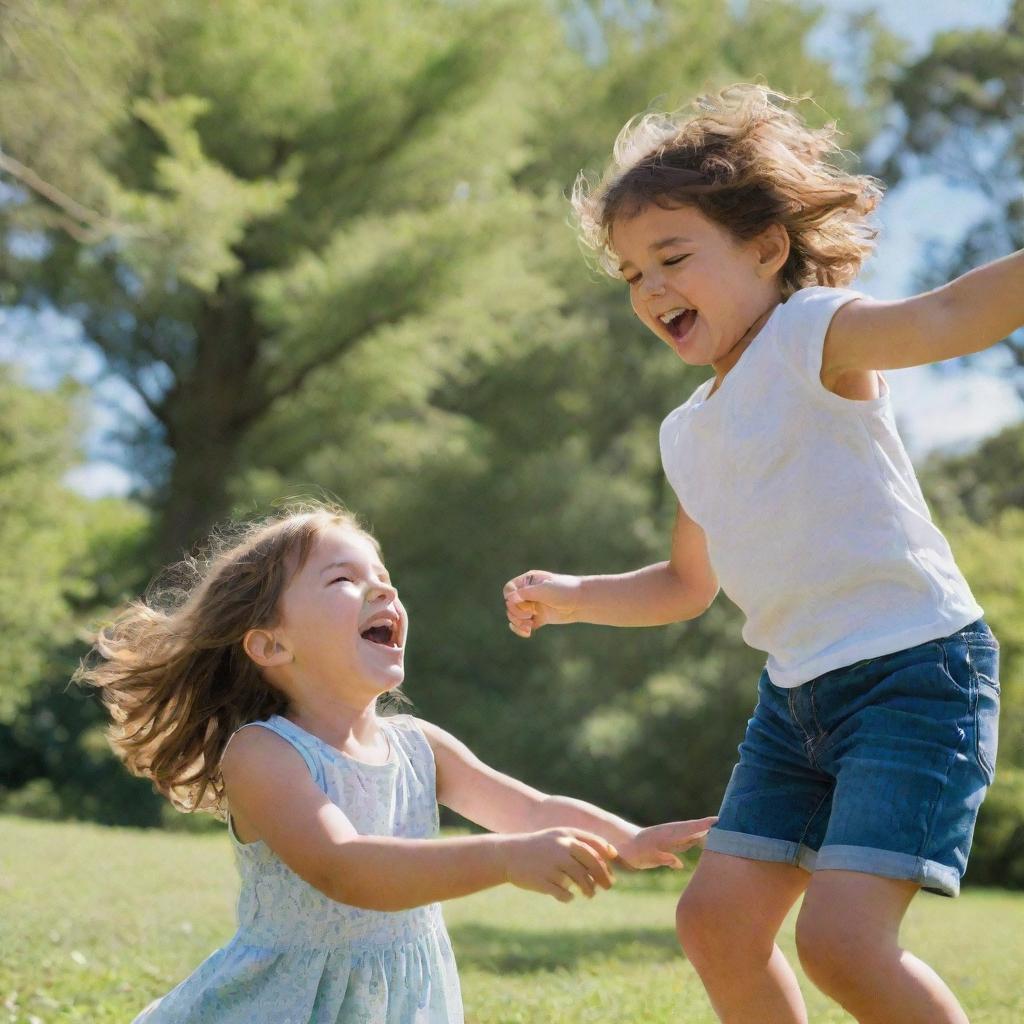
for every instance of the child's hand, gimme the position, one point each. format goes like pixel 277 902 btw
pixel 655 847
pixel 539 598
pixel 550 861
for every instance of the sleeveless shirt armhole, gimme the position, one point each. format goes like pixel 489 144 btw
pixel 803 325
pixel 408 725
pixel 296 744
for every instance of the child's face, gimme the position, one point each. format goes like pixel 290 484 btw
pixel 341 620
pixel 683 266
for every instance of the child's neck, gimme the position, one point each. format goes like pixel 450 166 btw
pixel 732 357
pixel 353 728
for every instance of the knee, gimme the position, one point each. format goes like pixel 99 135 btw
pixel 712 929
pixel 698 921
pixel 833 950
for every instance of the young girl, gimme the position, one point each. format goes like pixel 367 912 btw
pixel 253 694
pixel 874 737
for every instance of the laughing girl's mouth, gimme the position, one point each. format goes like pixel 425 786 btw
pixel 384 633
pixel 679 324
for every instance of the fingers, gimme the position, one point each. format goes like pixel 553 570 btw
pixel 559 891
pixel 679 835
pixel 523 582
pixel 684 834
pixel 521 613
pixel 596 868
pixel 576 872
pixel 522 616
pixel 599 845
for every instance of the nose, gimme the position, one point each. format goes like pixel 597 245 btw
pixel 385 591
pixel 651 286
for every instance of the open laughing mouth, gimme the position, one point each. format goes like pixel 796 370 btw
pixel 678 322
pixel 383 634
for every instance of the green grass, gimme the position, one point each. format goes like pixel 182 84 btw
pixel 95 922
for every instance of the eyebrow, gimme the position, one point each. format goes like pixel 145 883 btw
pixel 352 565
pixel 663 243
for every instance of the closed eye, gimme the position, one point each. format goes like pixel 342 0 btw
pixel 677 259
pixel 342 579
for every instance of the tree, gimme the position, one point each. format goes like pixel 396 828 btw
pixel 335 265
pixel 39 533
pixel 265 210
pixel 961 115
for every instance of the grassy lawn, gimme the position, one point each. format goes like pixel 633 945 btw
pixel 95 922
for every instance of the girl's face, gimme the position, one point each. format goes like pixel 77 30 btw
pixel 693 283
pixel 341 620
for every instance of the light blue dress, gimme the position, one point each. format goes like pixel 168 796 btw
pixel 299 957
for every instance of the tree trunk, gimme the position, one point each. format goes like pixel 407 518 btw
pixel 208 412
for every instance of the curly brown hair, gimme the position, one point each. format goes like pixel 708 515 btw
pixel 745 161
pixel 171 669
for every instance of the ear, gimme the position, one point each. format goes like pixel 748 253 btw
pixel 265 649
pixel 772 247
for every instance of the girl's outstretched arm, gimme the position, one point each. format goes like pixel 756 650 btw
pixel 965 316
pixel 681 588
pixel 269 788
pixel 502 803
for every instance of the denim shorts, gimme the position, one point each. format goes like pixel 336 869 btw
pixel 877 767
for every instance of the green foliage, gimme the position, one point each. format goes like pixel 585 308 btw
pixel 998 857
pixel 963 107
pixel 40 533
pixel 989 548
pixel 331 265
pixel 95 922
pixel 981 483
pixel 65 560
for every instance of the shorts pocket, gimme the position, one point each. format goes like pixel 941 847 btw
pixel 984 657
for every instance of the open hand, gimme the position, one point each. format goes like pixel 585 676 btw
pixel 552 860
pixel 655 847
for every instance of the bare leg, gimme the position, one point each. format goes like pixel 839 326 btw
pixel 727 921
pixel 848 939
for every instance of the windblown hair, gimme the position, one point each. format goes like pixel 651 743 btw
pixel 171 668
pixel 745 161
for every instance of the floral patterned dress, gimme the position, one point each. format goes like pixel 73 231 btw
pixel 299 957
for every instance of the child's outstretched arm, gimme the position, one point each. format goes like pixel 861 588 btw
pixel 967 315
pixel 503 804
pixel 681 588
pixel 269 788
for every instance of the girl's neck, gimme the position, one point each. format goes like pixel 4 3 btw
pixel 350 727
pixel 732 357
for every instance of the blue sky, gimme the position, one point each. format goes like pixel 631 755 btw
pixel 954 407
pixel 935 409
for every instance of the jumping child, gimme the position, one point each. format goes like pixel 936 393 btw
pixel 874 736
pixel 253 693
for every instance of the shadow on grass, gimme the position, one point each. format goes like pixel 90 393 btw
pixel 523 952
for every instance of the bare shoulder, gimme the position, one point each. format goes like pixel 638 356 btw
pixel 258 767
pixel 440 740
pixel 252 750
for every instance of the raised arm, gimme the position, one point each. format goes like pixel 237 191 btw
pixel 965 316
pixel 503 804
pixel 680 588
pixel 269 788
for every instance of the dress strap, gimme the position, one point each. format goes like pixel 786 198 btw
pixel 296 737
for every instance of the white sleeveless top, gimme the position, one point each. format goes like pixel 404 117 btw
pixel 815 521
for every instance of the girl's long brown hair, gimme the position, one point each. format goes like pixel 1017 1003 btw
pixel 171 668
pixel 745 161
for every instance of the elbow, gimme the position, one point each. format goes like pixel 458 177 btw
pixel 697 603
pixel 693 597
